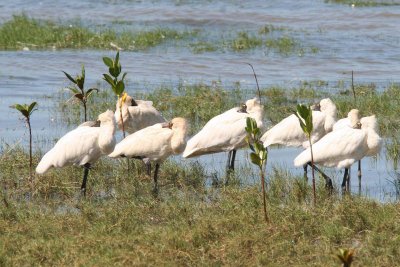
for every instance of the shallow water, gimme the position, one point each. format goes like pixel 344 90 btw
pixel 366 40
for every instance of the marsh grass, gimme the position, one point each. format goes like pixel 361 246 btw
pixel 22 31
pixel 120 223
pixel 365 3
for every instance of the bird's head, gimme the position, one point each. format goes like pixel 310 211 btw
pixel 354 117
pixel 316 107
pixel 127 100
pixel 369 122
pixel 106 117
pixel 177 123
pixel 243 108
pixel 328 107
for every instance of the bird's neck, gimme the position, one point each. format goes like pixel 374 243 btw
pixel 178 141
pixel 107 137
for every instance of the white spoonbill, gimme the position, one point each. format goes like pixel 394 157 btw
pixel 137 114
pixel 289 133
pixel 352 119
pixel 341 148
pixel 154 143
pixel 225 132
pixel 82 146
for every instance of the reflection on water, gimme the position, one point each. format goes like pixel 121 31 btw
pixel 366 40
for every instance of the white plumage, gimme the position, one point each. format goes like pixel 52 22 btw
pixel 154 143
pixel 225 132
pixel 353 117
pixel 289 133
pixel 341 148
pixel 82 146
pixel 137 114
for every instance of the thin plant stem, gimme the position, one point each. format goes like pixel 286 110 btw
pixel 264 195
pixel 120 115
pixel 85 110
pixel 312 172
pixel 30 148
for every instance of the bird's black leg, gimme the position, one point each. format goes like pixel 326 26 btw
pixel 305 172
pixel 344 181
pixel 148 168
pixel 359 177
pixel 86 168
pixel 228 163
pixel 232 165
pixel 155 190
pixel 348 180
pixel 328 180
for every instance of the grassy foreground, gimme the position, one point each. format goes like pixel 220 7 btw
pixel 120 223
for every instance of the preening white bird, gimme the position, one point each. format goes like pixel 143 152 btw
pixel 137 114
pixel 341 148
pixel 353 117
pixel 352 120
pixel 289 133
pixel 82 146
pixel 225 132
pixel 154 143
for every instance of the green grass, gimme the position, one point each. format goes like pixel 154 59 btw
pixel 188 224
pixel 23 31
pixel 365 3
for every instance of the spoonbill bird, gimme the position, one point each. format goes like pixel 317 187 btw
pixel 352 119
pixel 341 148
pixel 82 146
pixel 154 143
pixel 225 132
pixel 137 114
pixel 288 131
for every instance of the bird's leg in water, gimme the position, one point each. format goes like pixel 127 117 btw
pixel 155 189
pixel 359 177
pixel 305 172
pixel 232 165
pixel 345 180
pixel 328 180
pixel 86 169
pixel 228 163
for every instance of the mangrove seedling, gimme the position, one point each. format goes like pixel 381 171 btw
pixel 346 256
pixel 78 89
pixel 304 114
pixel 258 155
pixel 27 110
pixel 117 85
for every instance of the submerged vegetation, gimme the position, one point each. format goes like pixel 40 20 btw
pixel 22 31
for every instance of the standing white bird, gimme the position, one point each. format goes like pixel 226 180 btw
pixel 289 133
pixel 353 118
pixel 154 143
pixel 225 132
pixel 343 147
pixel 82 146
pixel 137 114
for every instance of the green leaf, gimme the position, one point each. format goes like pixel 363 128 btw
pixel 108 61
pixel 123 76
pixel 83 72
pixel 108 79
pixel 116 62
pixel 74 90
pixel 255 159
pixel 69 77
pixel 90 92
pixel 113 71
pixel 31 107
pixel 304 114
pixel 80 81
pixel 119 88
pixel 23 109
pixel 259 147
